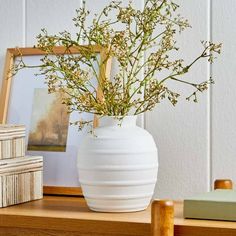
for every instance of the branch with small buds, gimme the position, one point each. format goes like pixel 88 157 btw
pixel 139 83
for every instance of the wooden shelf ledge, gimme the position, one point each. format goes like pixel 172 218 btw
pixel 70 216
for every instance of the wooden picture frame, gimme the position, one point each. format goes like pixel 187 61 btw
pixel 5 95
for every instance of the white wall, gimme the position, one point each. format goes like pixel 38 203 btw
pixel 196 141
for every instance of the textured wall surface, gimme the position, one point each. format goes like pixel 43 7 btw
pixel 196 142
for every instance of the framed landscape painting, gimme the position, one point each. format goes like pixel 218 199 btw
pixel 49 122
pixel 25 100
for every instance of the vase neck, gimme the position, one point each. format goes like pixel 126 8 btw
pixel 111 121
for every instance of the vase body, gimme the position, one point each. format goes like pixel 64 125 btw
pixel 118 166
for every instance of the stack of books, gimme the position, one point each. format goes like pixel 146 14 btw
pixel 20 175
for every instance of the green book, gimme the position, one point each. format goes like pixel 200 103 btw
pixel 215 205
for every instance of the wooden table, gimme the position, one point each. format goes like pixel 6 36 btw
pixel 70 216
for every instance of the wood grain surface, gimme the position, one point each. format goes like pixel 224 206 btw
pixel 162 218
pixel 71 216
pixel 63 191
pixel 223 184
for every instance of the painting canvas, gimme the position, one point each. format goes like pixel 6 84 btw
pixel 49 122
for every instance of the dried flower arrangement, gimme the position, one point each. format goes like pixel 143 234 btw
pixel 150 32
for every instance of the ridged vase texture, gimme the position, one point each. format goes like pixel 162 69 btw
pixel 118 166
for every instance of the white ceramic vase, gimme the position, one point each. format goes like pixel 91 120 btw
pixel 118 166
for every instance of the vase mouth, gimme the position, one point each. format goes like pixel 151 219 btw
pixel 117 121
